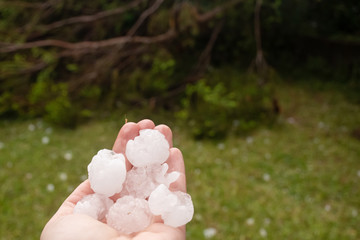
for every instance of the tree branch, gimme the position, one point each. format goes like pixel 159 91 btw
pixel 35 68
pixel 257 32
pixel 143 16
pixel 88 44
pixel 204 58
pixel 197 72
pixel 260 63
pixel 90 18
pixel 94 45
pixel 213 13
pixel 37 5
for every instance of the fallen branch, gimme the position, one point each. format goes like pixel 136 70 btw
pixel 199 70
pixel 101 66
pixel 35 68
pixel 89 44
pixel 37 5
pixel 260 62
pixel 259 65
pixel 143 16
pixel 216 11
pixel 90 18
pixel 204 58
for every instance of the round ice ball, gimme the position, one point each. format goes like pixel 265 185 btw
pixel 141 181
pixel 161 200
pixel 175 208
pixel 107 172
pixel 150 147
pixel 182 213
pixel 129 215
pixel 94 205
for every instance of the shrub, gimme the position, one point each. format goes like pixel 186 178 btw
pixel 226 100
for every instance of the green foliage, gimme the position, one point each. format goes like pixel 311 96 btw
pixel 188 25
pixel 51 100
pixel 154 75
pixel 159 22
pixel 91 92
pixel 72 67
pixel 40 91
pixel 215 103
pixel 16 63
pixel 6 104
pixel 207 109
pixel 187 21
pixel 59 110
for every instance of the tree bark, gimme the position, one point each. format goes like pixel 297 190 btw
pixel 260 63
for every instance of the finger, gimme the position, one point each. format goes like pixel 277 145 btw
pixel 128 131
pixel 176 163
pixel 146 124
pixel 167 133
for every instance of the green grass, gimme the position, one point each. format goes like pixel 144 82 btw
pixel 298 180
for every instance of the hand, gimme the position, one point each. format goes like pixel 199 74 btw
pixel 65 225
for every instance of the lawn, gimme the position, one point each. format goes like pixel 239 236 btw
pixel 298 179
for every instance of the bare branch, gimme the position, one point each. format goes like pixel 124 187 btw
pixel 260 63
pixel 257 32
pixel 35 68
pixel 38 5
pixel 88 44
pixel 118 41
pixel 213 13
pixel 143 16
pixel 90 18
pixel 198 71
pixel 204 58
pixel 21 4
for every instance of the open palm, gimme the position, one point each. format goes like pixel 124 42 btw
pixel 65 225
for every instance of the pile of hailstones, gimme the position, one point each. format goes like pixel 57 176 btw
pixel 143 190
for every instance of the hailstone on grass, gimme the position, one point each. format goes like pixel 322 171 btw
pixel 150 147
pixel 107 172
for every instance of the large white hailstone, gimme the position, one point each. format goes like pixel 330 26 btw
pixel 94 205
pixel 182 213
pixel 141 181
pixel 129 215
pixel 175 208
pixel 161 200
pixel 107 172
pixel 150 147
pixel 138 183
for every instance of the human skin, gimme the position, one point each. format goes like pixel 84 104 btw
pixel 65 225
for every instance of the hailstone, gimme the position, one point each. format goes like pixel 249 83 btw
pixel 107 172
pixel 150 147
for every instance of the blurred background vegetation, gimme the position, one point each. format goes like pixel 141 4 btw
pixel 263 97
